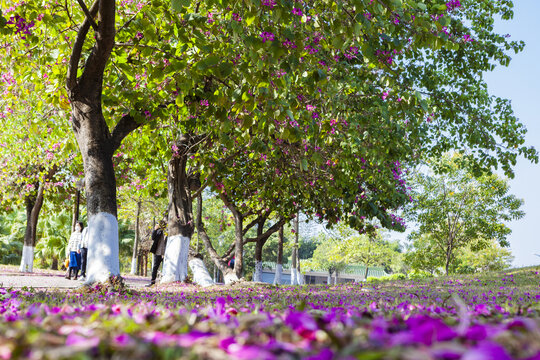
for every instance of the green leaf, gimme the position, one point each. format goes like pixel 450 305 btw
pixel 250 20
pixel 304 164
pixel 177 5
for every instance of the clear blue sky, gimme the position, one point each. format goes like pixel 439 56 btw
pixel 520 82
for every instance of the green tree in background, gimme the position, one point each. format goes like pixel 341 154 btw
pixel 454 209
pixel 493 257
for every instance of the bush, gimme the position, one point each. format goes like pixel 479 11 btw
pixel 392 277
pixel 419 274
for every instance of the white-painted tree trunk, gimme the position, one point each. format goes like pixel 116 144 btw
pixel 27 260
pixel 175 262
pixel 278 275
pixel 294 276
pixel 299 278
pixel 230 277
pixel 133 266
pixel 329 280
pixel 201 276
pixel 103 255
pixel 257 275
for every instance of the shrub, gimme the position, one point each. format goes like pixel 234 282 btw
pixel 391 277
pixel 419 274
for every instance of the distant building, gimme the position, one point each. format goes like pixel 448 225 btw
pixel 352 273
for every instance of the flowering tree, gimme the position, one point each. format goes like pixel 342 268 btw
pixel 35 162
pixel 401 78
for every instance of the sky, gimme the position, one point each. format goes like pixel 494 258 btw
pixel 520 82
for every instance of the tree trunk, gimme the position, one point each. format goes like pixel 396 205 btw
pixel 76 207
pixel 257 276
pixel 239 244
pixel 96 142
pixel 33 207
pixel 366 273
pixel 448 260
pixel 229 275
pixel 201 276
pixel 295 273
pixel 136 241
pixel 54 264
pixel 294 269
pixel 180 216
pixel 279 261
pixel 96 148
pixel 299 276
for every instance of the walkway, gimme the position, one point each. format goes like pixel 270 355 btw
pixel 10 277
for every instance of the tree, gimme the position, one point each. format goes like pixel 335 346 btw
pixel 328 256
pixel 43 164
pixel 493 257
pixel 454 209
pixel 382 71
pixel 420 255
pixel 370 250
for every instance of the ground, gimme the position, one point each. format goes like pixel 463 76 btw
pixel 50 279
pixel 489 316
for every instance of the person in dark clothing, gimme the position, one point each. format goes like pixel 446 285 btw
pixel 84 253
pixel 158 249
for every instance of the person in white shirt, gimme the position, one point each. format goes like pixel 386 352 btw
pixel 74 251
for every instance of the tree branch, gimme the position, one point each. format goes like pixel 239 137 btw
pixel 92 77
pixel 250 225
pixel 124 127
pixel 71 81
pixel 268 232
pixel 88 15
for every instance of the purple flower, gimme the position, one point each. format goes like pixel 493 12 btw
pixel 296 11
pixel 453 4
pixel 303 324
pixel 189 339
pixel 267 36
pixel 269 3
pixel 82 341
pixel 122 340
pixel 487 351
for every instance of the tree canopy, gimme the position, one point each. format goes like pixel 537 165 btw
pixel 339 97
pixel 454 209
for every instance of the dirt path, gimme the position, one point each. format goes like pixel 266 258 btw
pixel 10 277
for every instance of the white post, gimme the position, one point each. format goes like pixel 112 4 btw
pixel 103 259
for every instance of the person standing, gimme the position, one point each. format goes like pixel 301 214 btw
pixel 84 253
pixel 159 241
pixel 74 251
